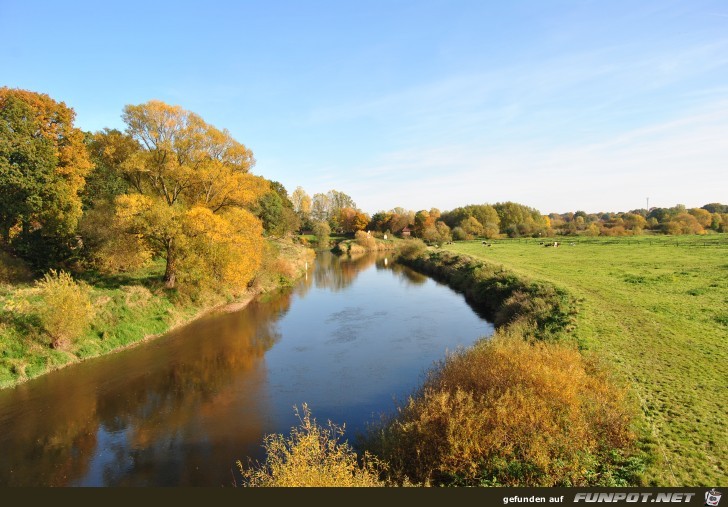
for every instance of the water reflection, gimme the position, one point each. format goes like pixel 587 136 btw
pixel 179 410
pixel 168 409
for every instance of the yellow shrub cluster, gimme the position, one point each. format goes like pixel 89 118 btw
pixel 507 412
pixel 66 309
pixel 312 456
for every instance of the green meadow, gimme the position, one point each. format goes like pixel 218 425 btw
pixel 657 308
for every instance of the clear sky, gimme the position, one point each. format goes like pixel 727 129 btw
pixel 591 105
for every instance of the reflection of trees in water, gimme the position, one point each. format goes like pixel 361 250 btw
pixel 403 272
pixel 167 405
pixel 408 275
pixel 338 272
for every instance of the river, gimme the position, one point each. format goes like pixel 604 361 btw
pixel 348 340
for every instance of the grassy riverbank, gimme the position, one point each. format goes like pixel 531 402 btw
pixel 655 307
pixel 522 408
pixel 126 310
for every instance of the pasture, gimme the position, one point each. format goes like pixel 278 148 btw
pixel 657 309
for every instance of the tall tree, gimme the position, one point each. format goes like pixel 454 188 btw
pixel 43 165
pixel 302 206
pixel 192 191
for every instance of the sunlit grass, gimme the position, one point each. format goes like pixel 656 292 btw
pixel 656 307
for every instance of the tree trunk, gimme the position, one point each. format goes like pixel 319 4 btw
pixel 170 275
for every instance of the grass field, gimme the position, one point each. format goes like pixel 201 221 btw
pixel 657 307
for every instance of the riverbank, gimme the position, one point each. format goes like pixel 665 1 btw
pixel 364 243
pixel 128 310
pixel 522 408
pixel 655 309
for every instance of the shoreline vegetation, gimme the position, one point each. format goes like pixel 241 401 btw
pixel 127 310
pixel 524 407
pixel 364 242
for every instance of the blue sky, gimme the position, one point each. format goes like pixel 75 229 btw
pixel 591 105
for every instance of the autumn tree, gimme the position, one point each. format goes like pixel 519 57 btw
pixel 401 218
pixel 472 227
pixel 438 233
pixel 302 206
pixel 485 214
pixel 703 216
pixel 327 207
pixel 352 220
pixel 43 166
pixel 190 196
pixel 683 223
pixel 393 220
pixel 108 149
pixel 423 221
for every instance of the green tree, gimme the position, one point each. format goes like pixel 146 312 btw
pixel 276 212
pixel 43 166
pixel 322 231
pixel 519 220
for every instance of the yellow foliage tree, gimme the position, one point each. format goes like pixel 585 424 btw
pixel 191 186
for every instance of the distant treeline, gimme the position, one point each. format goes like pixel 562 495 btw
pixel 337 212
pixel 516 220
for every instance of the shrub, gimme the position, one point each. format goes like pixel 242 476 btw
pixel 365 240
pixel 510 413
pixel 459 234
pixel 322 230
pixel 66 309
pixel 13 270
pixel 311 456
pixel 412 248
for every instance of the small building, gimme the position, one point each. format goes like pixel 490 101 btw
pixel 406 232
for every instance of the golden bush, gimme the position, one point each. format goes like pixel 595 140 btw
pixel 312 456
pixel 507 412
pixel 365 240
pixel 66 308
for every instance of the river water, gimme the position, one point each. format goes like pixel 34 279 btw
pixel 351 338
